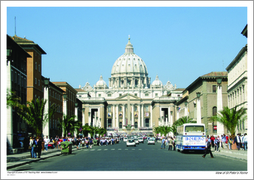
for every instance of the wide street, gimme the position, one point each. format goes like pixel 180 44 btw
pixel 143 157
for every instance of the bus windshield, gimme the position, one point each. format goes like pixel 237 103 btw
pixel 194 129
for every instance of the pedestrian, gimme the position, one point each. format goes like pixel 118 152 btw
pixel 245 140
pixel 217 143
pixel 212 140
pixel 39 147
pixel 170 143
pixel 34 146
pixel 56 141
pixel 208 148
pixel 223 141
pixel 91 143
pixel 237 140
pixel 163 143
pixel 87 143
pixel 30 145
pixel 174 143
pixel 230 142
pixel 46 143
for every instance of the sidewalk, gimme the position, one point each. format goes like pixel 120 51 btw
pixel 241 154
pixel 14 160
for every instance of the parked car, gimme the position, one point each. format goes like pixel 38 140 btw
pixel 141 140
pixel 125 139
pixel 136 141
pixel 130 142
pixel 151 141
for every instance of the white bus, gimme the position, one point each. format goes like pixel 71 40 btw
pixel 190 136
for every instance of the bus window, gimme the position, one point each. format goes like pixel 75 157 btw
pixel 194 129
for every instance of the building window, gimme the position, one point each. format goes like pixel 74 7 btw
pixel 99 95
pixel 120 125
pixel 120 95
pixel 214 88
pixel 156 94
pixel 214 111
pixel 35 65
pixel 109 108
pixel 136 94
pixel 109 95
pixel 147 123
pixel 39 68
pixel 136 124
pixel 135 108
pixel 109 122
pixel 39 82
pixel 146 94
pixel 120 108
pixel 35 81
pixel 146 108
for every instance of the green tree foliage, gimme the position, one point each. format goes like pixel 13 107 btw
pixel 12 100
pixel 33 114
pixel 181 121
pixel 68 124
pixel 230 117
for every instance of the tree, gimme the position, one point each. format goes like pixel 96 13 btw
pixel 86 129
pixel 102 131
pixel 157 130
pixel 165 130
pixel 181 121
pixel 231 117
pixel 68 124
pixel 33 114
pixel 12 100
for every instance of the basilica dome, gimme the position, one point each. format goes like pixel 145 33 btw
pixel 129 63
pixel 157 82
pixel 101 82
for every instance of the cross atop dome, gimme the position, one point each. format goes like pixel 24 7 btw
pixel 129 48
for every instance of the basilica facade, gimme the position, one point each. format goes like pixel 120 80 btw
pixel 130 100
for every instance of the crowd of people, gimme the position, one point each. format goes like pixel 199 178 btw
pixel 38 144
pixel 168 142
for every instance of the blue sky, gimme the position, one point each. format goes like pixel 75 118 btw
pixel 178 44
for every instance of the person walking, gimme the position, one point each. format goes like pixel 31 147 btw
pixel 170 143
pixel 34 145
pixel 237 140
pixel 163 143
pixel 217 143
pixel 245 140
pixel 208 148
pixel 39 147
pixel 46 143
pixel 230 142
pixel 30 145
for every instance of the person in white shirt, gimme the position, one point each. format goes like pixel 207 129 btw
pixel 46 142
pixel 245 141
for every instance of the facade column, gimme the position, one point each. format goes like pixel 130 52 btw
pixel 113 116
pixel 198 108
pixel 76 119
pixel 220 126
pixel 117 117
pixel 64 110
pixel 169 117
pixel 99 118
pixel 139 114
pixel 45 126
pixel 151 116
pixel 123 114
pixel 89 117
pixel 9 111
pixel 132 116
pixel 142 115
pixel 83 117
pixel 160 122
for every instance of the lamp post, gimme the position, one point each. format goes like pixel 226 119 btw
pixel 220 126
pixel 198 108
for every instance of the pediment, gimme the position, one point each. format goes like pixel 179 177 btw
pixel 125 97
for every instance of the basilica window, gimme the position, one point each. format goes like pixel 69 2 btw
pixel 136 124
pixel 147 123
pixel 214 111
pixel 135 108
pixel 109 108
pixel 156 94
pixel 120 95
pixel 99 95
pixel 109 122
pixel 120 125
pixel 214 88
pixel 146 108
pixel 146 94
pixel 109 95
pixel 136 94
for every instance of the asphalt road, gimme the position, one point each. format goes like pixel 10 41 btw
pixel 143 157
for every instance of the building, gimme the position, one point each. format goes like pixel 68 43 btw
pixel 130 101
pixel 16 64
pixel 238 83
pixel 53 95
pixel 203 98
pixel 69 98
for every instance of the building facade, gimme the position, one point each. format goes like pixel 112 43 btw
pixel 130 99
pixel 203 99
pixel 16 63
pixel 238 83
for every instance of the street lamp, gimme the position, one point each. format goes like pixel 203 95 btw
pixel 198 94
pixel 219 80
pixel 186 103
pixel 46 82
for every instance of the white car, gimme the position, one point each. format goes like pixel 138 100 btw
pixel 130 142
pixel 151 141
pixel 136 141
pixel 141 140
pixel 125 139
